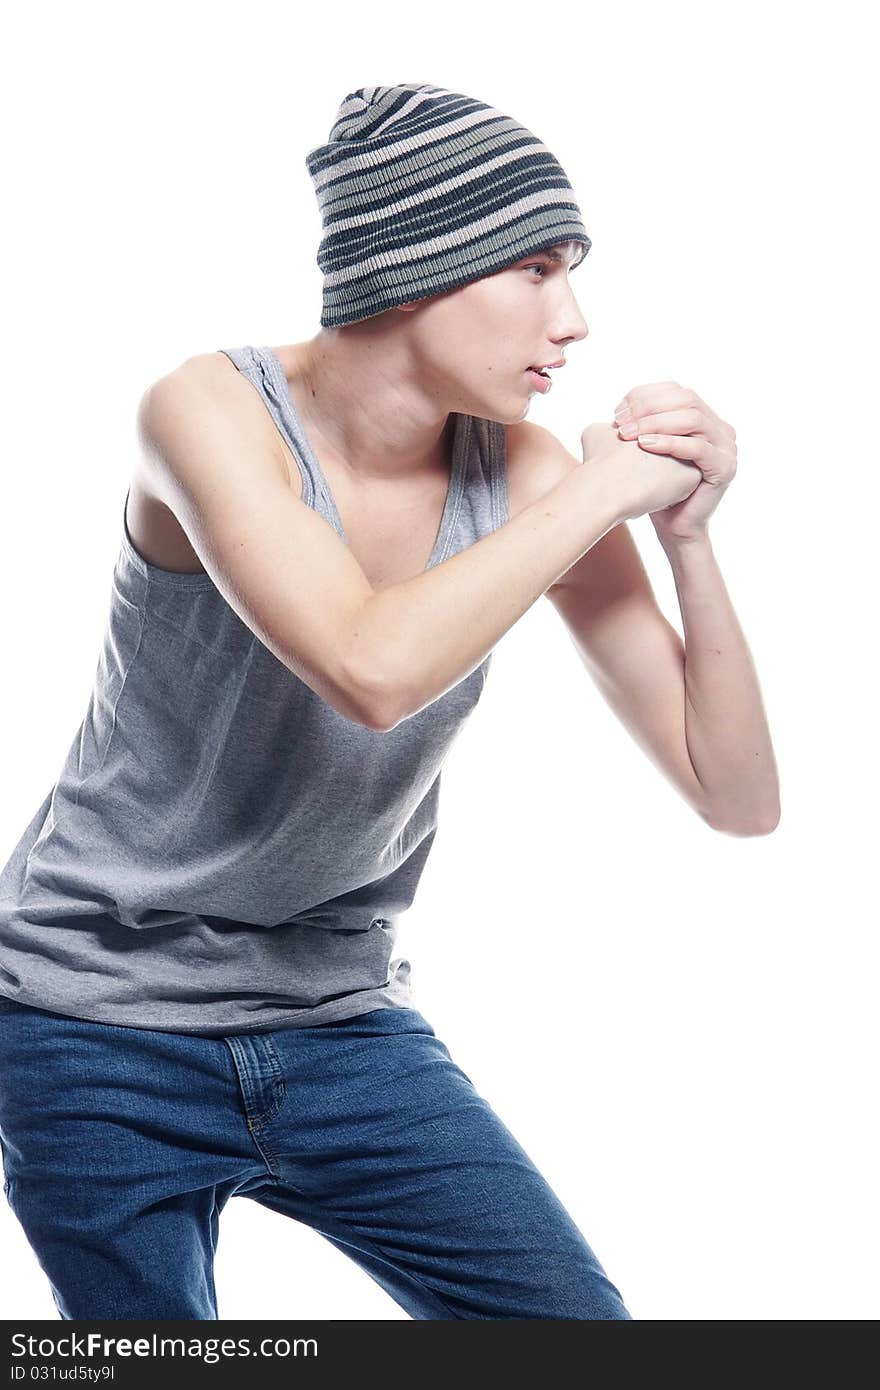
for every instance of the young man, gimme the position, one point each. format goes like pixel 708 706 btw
pixel 321 546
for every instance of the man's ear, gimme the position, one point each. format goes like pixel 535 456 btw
pixel 419 303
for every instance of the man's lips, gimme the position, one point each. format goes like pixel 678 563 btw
pixel 540 381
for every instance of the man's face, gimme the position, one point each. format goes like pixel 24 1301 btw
pixel 477 342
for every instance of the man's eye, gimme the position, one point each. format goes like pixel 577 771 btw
pixel 542 268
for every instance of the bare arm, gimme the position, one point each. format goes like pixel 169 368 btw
pixel 377 657
pixel 728 738
pixel 429 633
pixel 695 710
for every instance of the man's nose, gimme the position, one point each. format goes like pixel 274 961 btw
pixel 574 329
pixel 572 322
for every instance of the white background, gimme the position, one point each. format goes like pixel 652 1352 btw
pixel 678 1025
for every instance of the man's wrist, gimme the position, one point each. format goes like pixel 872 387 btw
pixel 602 483
pixel 697 540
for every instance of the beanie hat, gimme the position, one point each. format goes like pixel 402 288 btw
pixel 422 190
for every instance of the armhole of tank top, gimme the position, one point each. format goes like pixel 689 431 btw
pixel 256 369
pixel 498 473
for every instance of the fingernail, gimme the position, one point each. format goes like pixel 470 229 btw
pixel 649 438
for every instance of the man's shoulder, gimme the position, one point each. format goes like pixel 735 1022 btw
pixel 536 462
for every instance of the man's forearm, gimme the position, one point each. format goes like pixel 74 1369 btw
pixel 726 729
pixel 420 638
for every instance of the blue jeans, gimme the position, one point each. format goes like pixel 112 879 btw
pixel 121 1146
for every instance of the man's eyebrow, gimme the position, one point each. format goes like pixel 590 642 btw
pixel 551 255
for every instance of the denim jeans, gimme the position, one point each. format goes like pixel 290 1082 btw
pixel 121 1146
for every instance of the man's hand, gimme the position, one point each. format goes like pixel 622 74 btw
pixel 667 418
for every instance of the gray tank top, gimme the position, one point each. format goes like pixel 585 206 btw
pixel 223 851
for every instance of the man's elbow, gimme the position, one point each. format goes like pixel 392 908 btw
pixel 380 705
pixel 377 714
pixel 751 826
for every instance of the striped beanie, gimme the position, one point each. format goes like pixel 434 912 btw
pixel 422 190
